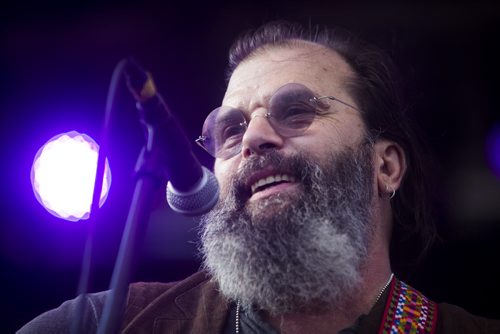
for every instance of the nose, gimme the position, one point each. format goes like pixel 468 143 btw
pixel 260 137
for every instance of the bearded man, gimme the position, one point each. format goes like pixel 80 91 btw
pixel 321 181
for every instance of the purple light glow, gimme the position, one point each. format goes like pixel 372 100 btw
pixel 63 175
pixel 493 149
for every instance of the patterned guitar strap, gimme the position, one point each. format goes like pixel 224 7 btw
pixel 408 311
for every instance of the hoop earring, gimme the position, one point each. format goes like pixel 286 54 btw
pixel 390 191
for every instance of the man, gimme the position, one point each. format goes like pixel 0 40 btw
pixel 320 180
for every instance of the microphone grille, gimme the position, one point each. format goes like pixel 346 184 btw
pixel 197 201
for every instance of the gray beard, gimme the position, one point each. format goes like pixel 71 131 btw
pixel 301 251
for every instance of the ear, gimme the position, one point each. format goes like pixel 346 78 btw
pixel 390 166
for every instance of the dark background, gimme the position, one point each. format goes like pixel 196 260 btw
pixel 56 61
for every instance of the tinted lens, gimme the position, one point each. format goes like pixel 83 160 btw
pixel 292 109
pixel 223 131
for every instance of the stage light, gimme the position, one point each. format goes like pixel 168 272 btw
pixel 63 175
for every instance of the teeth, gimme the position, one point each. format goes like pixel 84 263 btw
pixel 272 179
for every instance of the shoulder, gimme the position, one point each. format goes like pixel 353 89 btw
pixel 146 296
pixel 193 305
pixel 60 319
pixel 407 309
pixel 146 301
pixel 454 319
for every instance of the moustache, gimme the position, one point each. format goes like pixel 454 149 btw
pixel 296 165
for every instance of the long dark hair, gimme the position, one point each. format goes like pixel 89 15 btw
pixel 377 91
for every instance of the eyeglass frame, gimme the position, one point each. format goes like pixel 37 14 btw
pixel 199 141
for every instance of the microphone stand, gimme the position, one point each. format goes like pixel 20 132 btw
pixel 149 175
pixel 77 321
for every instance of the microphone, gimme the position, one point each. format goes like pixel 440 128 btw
pixel 192 189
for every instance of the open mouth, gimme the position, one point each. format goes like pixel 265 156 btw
pixel 270 181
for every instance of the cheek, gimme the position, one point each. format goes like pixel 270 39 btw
pixel 220 169
pixel 223 172
pixel 341 132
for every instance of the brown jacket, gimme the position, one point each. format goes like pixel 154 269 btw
pixel 195 305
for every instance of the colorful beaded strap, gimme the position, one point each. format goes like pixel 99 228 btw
pixel 408 311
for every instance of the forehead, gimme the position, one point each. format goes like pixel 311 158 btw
pixel 259 76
